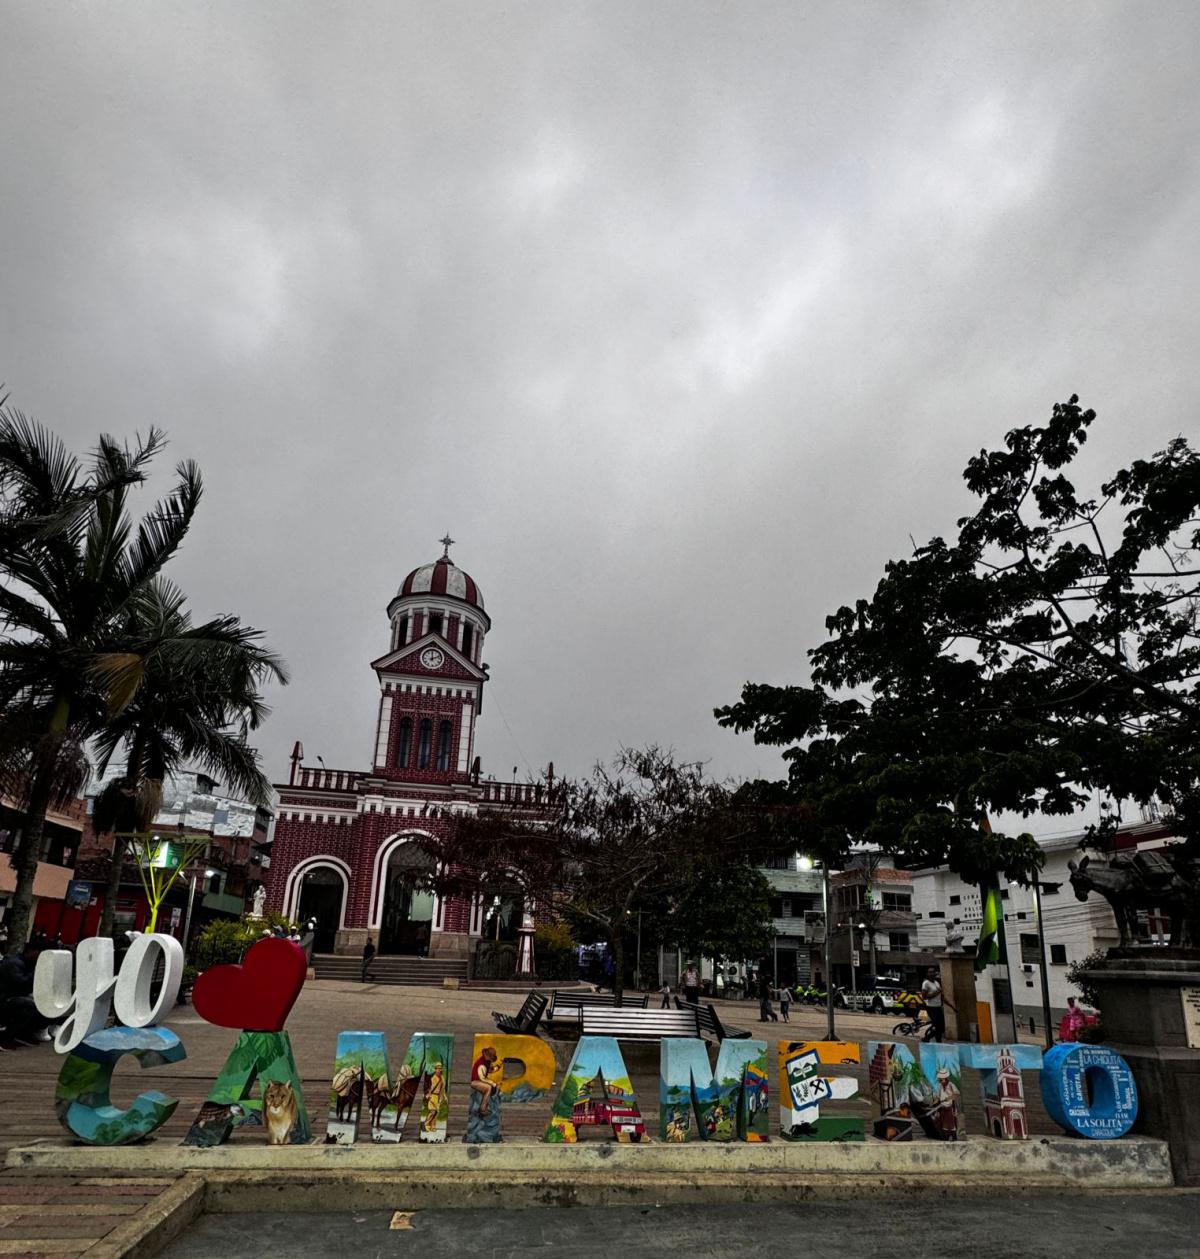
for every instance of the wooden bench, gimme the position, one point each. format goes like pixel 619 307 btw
pixel 526 1019
pixel 711 1025
pixel 568 1006
pixel 636 1023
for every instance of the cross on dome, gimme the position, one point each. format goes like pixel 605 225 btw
pixel 447 542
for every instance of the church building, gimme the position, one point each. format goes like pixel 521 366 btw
pixel 347 850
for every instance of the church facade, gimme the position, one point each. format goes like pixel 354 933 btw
pixel 347 849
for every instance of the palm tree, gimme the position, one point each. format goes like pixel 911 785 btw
pixel 71 562
pixel 195 701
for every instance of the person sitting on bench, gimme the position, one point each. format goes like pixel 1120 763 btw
pixel 19 1016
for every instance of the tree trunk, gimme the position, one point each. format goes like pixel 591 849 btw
pixel 130 783
pixel 115 867
pixel 29 851
pixel 618 965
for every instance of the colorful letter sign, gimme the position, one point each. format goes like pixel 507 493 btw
pixel 494 1086
pixel 727 1104
pixel 1070 1071
pixel 803 1087
pixel 596 1090
pixel 81 1099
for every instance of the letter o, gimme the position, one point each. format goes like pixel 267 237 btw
pixel 1070 1072
pixel 132 998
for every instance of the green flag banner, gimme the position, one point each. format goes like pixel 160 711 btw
pixel 991 928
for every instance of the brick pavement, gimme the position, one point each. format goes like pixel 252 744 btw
pixel 67 1216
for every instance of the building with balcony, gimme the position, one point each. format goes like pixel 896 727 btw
pixel 795 906
pixel 52 882
pixel 873 925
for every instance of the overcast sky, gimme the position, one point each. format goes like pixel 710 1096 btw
pixel 681 318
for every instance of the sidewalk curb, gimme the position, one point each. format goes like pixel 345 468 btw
pixel 157 1224
pixel 1133 1162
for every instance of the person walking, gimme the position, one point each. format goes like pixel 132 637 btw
pixel 785 1002
pixel 935 1001
pixel 666 997
pixel 368 958
pixel 766 1012
pixel 691 984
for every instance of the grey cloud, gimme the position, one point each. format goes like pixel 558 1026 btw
pixel 681 317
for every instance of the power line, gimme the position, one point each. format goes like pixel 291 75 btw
pixel 516 742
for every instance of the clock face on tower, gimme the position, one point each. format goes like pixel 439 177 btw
pixel 431 658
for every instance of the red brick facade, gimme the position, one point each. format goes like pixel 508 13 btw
pixel 352 822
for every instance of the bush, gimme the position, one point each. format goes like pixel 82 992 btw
pixel 226 940
pixel 1090 1034
pixel 1093 961
pixel 223 941
pixel 554 952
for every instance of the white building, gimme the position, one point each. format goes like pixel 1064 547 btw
pixel 1073 928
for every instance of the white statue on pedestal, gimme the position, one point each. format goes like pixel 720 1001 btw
pixel 260 902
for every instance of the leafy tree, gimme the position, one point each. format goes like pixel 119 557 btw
pixel 722 910
pixel 70 561
pixel 631 830
pixel 194 703
pixel 85 622
pixel 1049 652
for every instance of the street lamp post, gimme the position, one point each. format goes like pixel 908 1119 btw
pixel 187 922
pixel 830 1031
pixel 806 863
pixel 850 951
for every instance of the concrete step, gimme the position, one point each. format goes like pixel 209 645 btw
pixel 392 970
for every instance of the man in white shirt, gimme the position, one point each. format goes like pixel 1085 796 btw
pixel 935 1001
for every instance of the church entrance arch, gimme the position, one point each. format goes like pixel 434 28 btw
pixel 406 903
pixel 319 893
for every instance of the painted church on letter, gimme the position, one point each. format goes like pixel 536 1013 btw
pixel 347 850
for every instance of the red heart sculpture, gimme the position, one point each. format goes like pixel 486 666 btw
pixel 258 995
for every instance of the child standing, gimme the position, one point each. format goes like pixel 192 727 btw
pixel 666 997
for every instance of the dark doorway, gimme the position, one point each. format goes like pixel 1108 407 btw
pixel 321 901
pixel 407 902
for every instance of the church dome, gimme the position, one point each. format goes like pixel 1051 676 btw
pixel 442 577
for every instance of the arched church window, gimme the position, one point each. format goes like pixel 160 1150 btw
pixel 423 746
pixel 435 623
pixel 444 734
pixel 402 631
pixel 404 748
pixel 466 647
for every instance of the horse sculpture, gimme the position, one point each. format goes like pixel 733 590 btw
pixel 1156 881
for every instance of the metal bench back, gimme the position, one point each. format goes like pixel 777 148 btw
pixel 531 1007
pixel 573 1003
pixel 639 1024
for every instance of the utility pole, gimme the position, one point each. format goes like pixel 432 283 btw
pixel 1047 1032
pixel 830 1030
